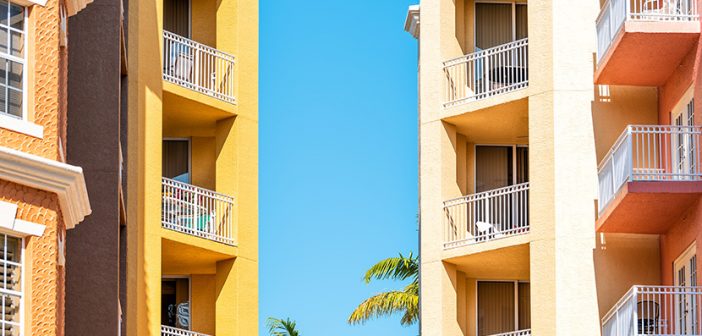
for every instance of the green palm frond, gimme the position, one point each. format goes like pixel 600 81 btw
pixel 405 302
pixel 280 327
pixel 387 303
pixel 396 268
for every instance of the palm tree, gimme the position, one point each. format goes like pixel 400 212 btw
pixel 280 327
pixel 405 301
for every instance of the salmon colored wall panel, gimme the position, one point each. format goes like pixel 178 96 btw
pixel 622 261
pixel 684 232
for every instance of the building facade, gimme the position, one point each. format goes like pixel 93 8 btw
pixel 192 167
pixel 559 166
pixel 41 196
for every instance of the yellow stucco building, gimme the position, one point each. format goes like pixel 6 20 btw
pixel 192 158
pixel 559 169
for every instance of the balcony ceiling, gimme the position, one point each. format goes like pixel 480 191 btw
pixel 648 207
pixel 506 123
pixel 511 262
pixel 646 53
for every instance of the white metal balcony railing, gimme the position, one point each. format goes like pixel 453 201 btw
pixel 486 216
pixel 488 72
pixel 198 67
pixel 171 331
pixel 615 12
pixel 525 332
pixel 197 211
pixel 650 153
pixel 655 310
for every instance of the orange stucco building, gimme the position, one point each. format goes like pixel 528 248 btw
pixel 40 195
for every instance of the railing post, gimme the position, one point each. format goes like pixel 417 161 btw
pixel 634 309
pixel 487 210
pixel 630 152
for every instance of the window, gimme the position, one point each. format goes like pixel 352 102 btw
pixel 495 166
pixel 503 306
pixel 12 59
pixel 499 23
pixel 11 285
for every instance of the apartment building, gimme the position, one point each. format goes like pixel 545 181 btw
pixel 41 196
pixel 559 166
pixel 192 167
pixel 96 278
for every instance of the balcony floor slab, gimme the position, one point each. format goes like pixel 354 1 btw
pixel 646 53
pixel 648 207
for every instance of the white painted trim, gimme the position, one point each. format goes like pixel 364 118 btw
pixel 21 126
pixel 412 21
pixel 30 2
pixel 65 180
pixel 681 106
pixel 24 228
pixel 75 6
pixel 17 227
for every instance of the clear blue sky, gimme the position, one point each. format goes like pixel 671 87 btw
pixel 338 158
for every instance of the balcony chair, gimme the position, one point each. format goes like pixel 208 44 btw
pixel 180 62
pixel 487 231
pixel 648 317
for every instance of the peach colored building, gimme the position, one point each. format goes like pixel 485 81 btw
pixel 40 195
pixel 560 166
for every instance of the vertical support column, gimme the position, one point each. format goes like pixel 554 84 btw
pixel 564 174
pixel 226 304
pixel 144 164
pixel 237 33
pixel 438 169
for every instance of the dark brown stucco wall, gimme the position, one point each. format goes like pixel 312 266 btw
pixel 93 247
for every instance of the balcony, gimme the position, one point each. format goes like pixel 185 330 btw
pixel 170 331
pixel 486 73
pixel 486 216
pixel 649 176
pixel 197 211
pixel 655 310
pixel 198 67
pixel 654 35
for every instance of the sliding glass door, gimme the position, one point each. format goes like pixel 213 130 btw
pixel 503 306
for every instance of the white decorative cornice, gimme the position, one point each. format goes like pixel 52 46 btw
pixel 412 21
pixel 75 6
pixel 65 180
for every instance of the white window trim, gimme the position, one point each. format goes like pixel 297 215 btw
pixel 20 60
pixel 28 3
pixel 17 227
pixel 21 126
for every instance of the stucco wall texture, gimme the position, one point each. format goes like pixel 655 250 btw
pixel 43 283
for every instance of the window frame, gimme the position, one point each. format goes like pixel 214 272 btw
pixel 21 60
pixel 19 294
pixel 513 3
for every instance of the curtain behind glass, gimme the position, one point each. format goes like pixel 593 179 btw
pixel 524 298
pixel 175 160
pixel 493 167
pixel 522 22
pixel 493 24
pixel 495 307
pixel 522 164
pixel 176 17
